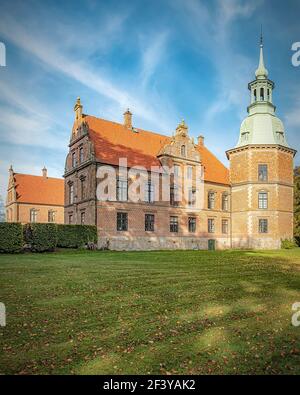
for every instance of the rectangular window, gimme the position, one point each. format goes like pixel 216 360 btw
pixel 73 159
pixel 82 183
pixel 174 196
pixel 211 225
pixel 122 222
pixel 225 226
pixel 51 216
pixel 225 202
pixel 192 197
pixel 82 218
pixel 192 224
pixel 122 187
pixel 211 200
pixel 189 172
pixel 81 154
pixel 149 222
pixel 174 224
pixel 263 226
pixel 70 219
pixel 263 172
pixel 33 215
pixel 71 194
pixel 263 200
pixel 149 192
pixel 176 170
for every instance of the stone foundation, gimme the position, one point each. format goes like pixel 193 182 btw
pixel 159 243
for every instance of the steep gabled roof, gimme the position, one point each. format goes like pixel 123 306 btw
pixel 39 189
pixel 113 141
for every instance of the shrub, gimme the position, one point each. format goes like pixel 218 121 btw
pixel 40 237
pixel 288 244
pixel 11 237
pixel 76 236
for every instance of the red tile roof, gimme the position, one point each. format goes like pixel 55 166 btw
pixel 39 189
pixel 113 141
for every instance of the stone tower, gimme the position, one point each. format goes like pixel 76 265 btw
pixel 261 172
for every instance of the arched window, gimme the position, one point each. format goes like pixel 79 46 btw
pixel 262 94
pixel 268 94
pixel 183 151
pixel 211 200
pixel 255 95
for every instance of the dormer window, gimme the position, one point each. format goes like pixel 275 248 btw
pixel 245 136
pixel 280 137
pixel 183 150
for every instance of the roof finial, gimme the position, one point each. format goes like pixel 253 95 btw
pixel 261 73
pixel 261 36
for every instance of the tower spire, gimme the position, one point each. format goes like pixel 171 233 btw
pixel 261 73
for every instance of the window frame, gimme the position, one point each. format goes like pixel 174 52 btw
pixel 81 152
pixel 264 177
pixel 71 193
pixel 174 228
pixel 263 229
pixel 33 215
pixel 149 222
pixel 51 216
pixel 149 192
pixel 263 202
pixel 209 201
pixel 225 199
pixel 192 224
pixel 122 190
pixel 74 159
pixel 122 221
pixel 225 226
pixel 211 226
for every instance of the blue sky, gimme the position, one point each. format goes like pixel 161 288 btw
pixel 164 59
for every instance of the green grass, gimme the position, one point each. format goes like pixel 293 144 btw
pixel 150 312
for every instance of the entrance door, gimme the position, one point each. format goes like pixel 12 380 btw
pixel 211 244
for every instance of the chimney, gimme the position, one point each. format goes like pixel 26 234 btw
pixel 201 140
pixel 128 119
pixel 44 172
pixel 78 109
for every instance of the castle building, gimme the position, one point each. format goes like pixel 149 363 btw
pixel 248 206
pixel 34 198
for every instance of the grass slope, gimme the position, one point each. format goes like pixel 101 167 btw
pixel 150 312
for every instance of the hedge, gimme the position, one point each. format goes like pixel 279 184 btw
pixel 11 237
pixel 40 237
pixel 15 237
pixel 76 236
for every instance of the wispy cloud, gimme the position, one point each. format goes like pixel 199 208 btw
pixel 47 52
pixel 153 52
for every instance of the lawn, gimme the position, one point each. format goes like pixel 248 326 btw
pixel 192 312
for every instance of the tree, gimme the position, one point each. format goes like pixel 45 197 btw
pixel 297 204
pixel 2 210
